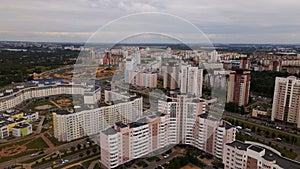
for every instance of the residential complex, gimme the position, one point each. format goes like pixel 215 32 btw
pixel 69 126
pixel 19 97
pixel 251 155
pixel 286 100
pixel 124 142
pixel 180 120
pixel 143 79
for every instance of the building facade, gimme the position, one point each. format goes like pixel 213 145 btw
pixel 14 99
pixel 181 120
pixel 286 100
pixel 191 80
pixel 238 87
pixel 70 126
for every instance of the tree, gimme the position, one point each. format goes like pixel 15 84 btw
pixel 273 135
pixel 253 129
pixel 78 146
pixel 81 155
pixel 73 148
pixel 287 139
pixel 94 150
pixel 88 152
pixel 258 130
pixel 267 133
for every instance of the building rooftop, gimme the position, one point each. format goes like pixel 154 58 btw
pixel 269 154
pixel 281 161
pixel 19 119
pixel 137 124
pixel 256 148
pixel 109 131
pixel 29 113
pixel 120 124
pixel 20 126
pixel 239 145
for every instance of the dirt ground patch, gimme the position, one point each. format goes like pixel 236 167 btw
pixel 63 102
pixel 43 107
pixel 12 151
pixel 190 166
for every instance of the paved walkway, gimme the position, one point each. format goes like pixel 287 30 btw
pixel 49 143
pixel 92 165
pixel 53 102
pixel 40 126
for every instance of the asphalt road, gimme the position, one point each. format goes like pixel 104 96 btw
pixel 71 159
pixel 48 151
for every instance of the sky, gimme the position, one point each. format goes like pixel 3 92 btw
pixel 222 21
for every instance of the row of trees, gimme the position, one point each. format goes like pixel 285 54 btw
pixel 189 158
pixel 267 133
pixel 233 107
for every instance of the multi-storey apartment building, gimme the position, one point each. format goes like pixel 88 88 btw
pixel 252 155
pixel 170 74
pixel 143 79
pixel 238 87
pixel 191 80
pixel 122 143
pixel 70 126
pixel 14 99
pixel 286 100
pixel 181 120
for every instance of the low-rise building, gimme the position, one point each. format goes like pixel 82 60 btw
pixel 22 130
pixel 259 111
pixel 3 130
pixel 31 116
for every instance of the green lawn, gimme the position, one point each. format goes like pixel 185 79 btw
pixel 55 141
pixel 87 163
pixel 97 166
pixel 15 143
pixel 36 144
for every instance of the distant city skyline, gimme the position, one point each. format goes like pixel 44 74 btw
pixel 223 22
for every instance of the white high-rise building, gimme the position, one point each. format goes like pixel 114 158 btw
pixel 191 80
pixel 70 126
pixel 183 123
pixel 286 100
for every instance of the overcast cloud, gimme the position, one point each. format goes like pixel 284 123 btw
pixel 223 21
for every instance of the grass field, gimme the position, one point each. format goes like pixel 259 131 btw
pixel 55 141
pixel 16 143
pixel 36 144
